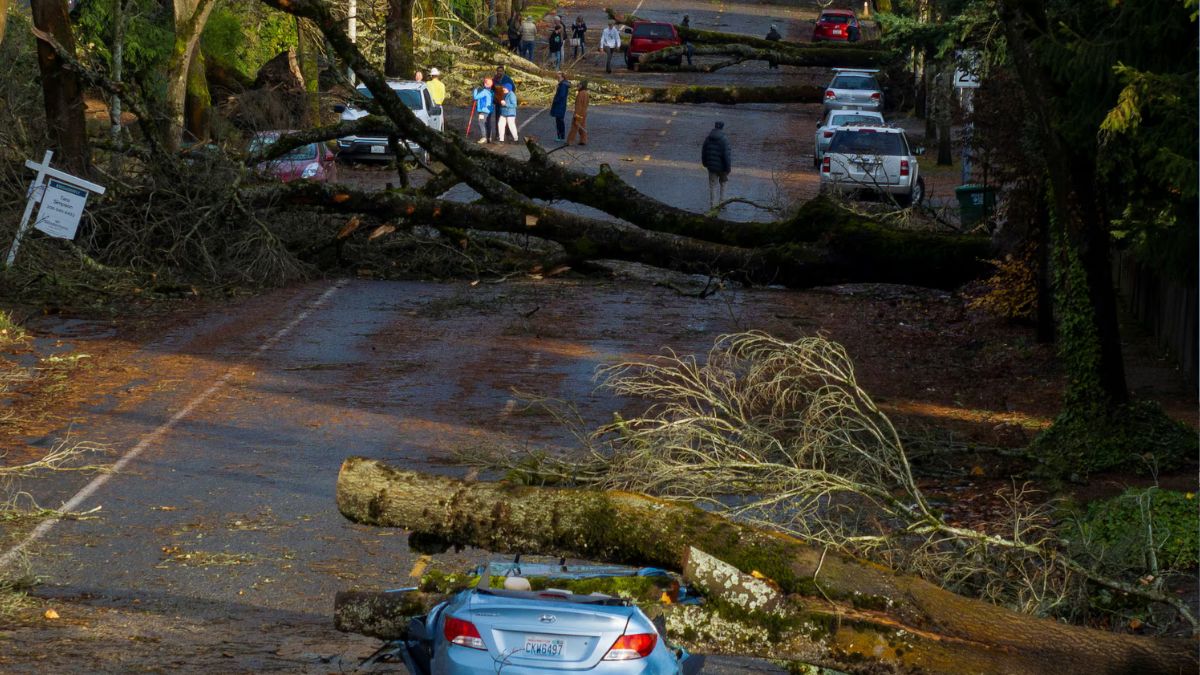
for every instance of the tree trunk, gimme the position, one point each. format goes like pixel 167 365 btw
pixel 306 59
pixel 4 5
pixel 814 57
pixel 61 89
pixel 118 67
pixel 837 611
pixel 197 107
pixel 190 17
pixel 380 615
pixel 398 41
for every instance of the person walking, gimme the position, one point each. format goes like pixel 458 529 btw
pixel 437 88
pixel 554 44
pixel 610 41
pixel 578 37
pixel 716 157
pixel 558 107
pixel 483 108
pixel 774 36
pixel 528 35
pixel 508 113
pixel 514 32
pixel 579 121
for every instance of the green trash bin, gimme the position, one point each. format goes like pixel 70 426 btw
pixel 975 203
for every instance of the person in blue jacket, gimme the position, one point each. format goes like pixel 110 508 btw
pixel 483 107
pixel 558 107
pixel 508 113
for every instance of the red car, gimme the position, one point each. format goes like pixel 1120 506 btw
pixel 651 36
pixel 314 161
pixel 837 24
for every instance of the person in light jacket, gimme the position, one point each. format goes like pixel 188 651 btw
pixel 558 107
pixel 508 113
pixel 483 107
pixel 579 122
pixel 528 36
pixel 610 41
pixel 716 157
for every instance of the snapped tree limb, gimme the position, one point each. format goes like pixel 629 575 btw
pixel 818 57
pixel 839 611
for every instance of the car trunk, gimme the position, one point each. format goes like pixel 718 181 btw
pixel 564 635
pixel 871 169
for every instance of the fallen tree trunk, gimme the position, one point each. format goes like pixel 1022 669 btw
pixel 378 614
pixel 839 611
pixel 731 95
pixel 819 57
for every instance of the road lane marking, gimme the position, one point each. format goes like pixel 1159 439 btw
pixel 90 489
pixel 532 117
pixel 637 173
pixel 662 132
pixel 646 158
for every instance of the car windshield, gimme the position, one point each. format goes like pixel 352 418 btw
pixel 835 18
pixel 843 120
pixel 855 82
pixel 653 30
pixel 410 97
pixel 303 152
pixel 852 142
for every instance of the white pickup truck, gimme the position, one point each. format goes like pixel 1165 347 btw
pixel 415 95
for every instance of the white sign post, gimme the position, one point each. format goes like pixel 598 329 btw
pixel 967 79
pixel 62 198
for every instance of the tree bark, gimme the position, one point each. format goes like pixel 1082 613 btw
pixel 198 102
pixel 62 93
pixel 398 41
pixel 190 18
pixel 837 611
pixel 4 5
pixel 382 615
pixel 813 57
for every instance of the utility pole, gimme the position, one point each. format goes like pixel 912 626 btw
pixel 352 30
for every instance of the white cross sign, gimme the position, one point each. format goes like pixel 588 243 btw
pixel 62 198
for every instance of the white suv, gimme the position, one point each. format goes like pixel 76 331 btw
pixel 415 95
pixel 872 159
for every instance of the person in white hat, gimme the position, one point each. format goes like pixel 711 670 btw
pixel 437 88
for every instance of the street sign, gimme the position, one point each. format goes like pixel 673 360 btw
pixel 62 207
pixel 967 69
pixel 61 200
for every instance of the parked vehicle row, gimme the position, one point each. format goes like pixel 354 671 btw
pixel 854 148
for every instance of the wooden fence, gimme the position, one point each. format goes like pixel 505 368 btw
pixel 1166 307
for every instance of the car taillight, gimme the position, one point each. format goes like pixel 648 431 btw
pixel 828 134
pixel 825 165
pixel 629 647
pixel 904 167
pixel 462 633
pixel 875 96
pixel 829 93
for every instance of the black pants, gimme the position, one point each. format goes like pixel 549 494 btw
pixel 561 126
pixel 493 123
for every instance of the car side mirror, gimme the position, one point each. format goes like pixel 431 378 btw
pixel 339 108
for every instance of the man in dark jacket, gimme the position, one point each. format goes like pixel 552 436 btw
pixel 715 157
pixel 774 36
pixel 558 107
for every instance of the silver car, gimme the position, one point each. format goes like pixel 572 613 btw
pixel 516 629
pixel 872 159
pixel 853 88
pixel 839 118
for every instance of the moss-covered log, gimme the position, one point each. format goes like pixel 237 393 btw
pixel 379 614
pixel 730 95
pixel 814 57
pixel 840 611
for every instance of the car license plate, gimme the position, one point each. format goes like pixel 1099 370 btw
pixel 537 646
pixel 378 149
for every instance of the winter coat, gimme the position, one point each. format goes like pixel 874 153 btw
pixel 581 105
pixel 610 38
pixel 555 42
pixel 774 35
pixel 483 101
pixel 714 154
pixel 579 31
pixel 528 31
pixel 506 82
pixel 558 108
pixel 508 105
pixel 514 29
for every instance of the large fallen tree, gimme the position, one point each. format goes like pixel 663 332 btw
pixel 833 610
pixel 737 53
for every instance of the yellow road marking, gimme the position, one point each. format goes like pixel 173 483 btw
pixel 419 567
pixel 646 158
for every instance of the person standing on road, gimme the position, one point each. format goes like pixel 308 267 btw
pixel 554 44
pixel 528 35
pixel 774 36
pixel 578 35
pixel 500 80
pixel 508 113
pixel 558 107
pixel 514 32
pixel 716 157
pixel 483 108
pixel 610 41
pixel 437 88
pixel 579 122
pixel 687 21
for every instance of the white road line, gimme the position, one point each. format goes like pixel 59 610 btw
pixel 531 118
pixel 90 489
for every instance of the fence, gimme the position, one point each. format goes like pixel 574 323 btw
pixel 1166 307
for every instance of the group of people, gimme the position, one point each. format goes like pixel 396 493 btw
pixel 495 109
pixel 522 37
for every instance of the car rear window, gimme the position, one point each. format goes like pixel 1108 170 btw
pixel 410 97
pixel 843 120
pixel 851 142
pixel 658 31
pixel 855 82
pixel 309 151
pixel 835 18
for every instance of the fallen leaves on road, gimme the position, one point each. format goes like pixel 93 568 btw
pixel 51 614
